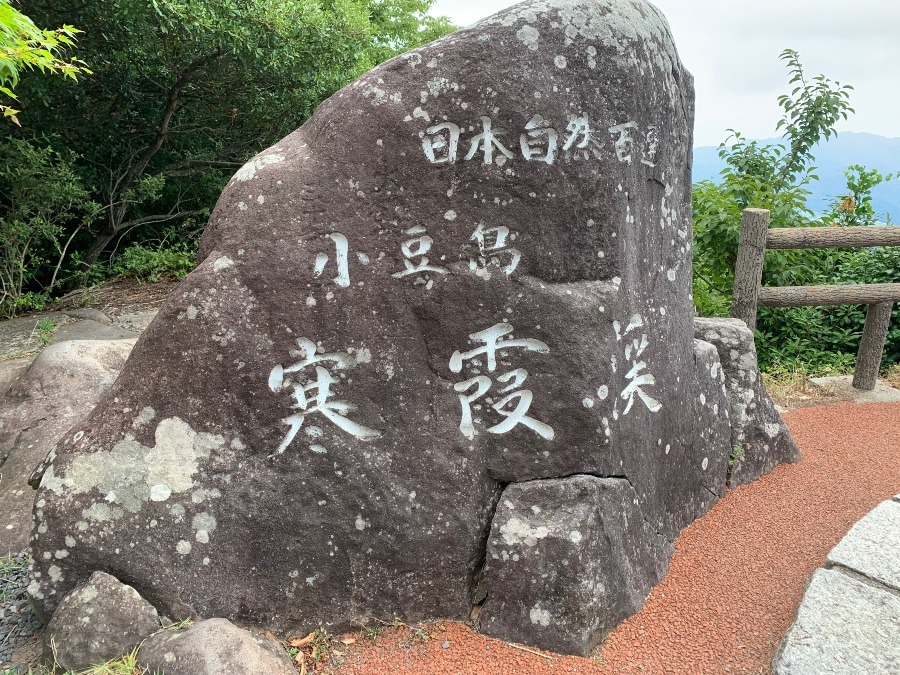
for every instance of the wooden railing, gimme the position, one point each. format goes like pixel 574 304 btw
pixel 756 237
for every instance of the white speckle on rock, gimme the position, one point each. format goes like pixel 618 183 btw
pixel 204 524
pixel 515 531
pixel 55 573
pixel 160 493
pixel 670 275
pixel 587 402
pixel 575 537
pixel 528 36
pixel 560 61
pixel 183 547
pixel 539 616
pixel 450 215
pixel 70 541
pixel 191 312
pixel 223 263
pixel 603 392
pixel 360 523
pixel 313 431
pixel 251 168
pixel 705 463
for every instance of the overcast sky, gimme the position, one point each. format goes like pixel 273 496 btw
pixel 731 47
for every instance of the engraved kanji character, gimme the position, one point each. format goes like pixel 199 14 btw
pixel 538 141
pixel 487 141
pixel 341 248
pixel 441 143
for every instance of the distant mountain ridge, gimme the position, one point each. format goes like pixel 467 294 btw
pixel 832 159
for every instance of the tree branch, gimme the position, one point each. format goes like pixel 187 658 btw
pixel 160 218
pixel 191 166
pixel 138 168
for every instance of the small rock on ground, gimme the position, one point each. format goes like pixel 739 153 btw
pixel 98 621
pixel 214 647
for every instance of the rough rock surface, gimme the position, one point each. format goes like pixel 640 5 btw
pixel 60 387
pixel 469 268
pixel 823 642
pixel 90 329
pixel 712 426
pixel 759 439
pixel 98 621
pixel 11 370
pixel 567 560
pixel 213 647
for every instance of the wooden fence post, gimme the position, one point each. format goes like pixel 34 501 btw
pixel 749 267
pixel 871 346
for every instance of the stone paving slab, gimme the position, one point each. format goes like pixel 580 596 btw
pixel 842 386
pixel 872 547
pixel 843 626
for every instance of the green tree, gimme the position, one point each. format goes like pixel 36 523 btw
pixel 185 91
pixel 772 177
pixel 855 207
pixel 24 46
pixel 776 177
pixel 40 193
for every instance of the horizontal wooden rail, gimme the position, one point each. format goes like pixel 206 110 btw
pixel 756 237
pixel 811 296
pixel 833 237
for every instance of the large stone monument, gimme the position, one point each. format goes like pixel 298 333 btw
pixel 440 351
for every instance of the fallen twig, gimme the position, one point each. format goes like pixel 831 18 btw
pixel 530 651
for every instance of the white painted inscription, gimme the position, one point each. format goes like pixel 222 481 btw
pixel 343 269
pixel 473 389
pixel 634 342
pixel 487 141
pixel 541 142
pixel 538 141
pixel 493 249
pixel 441 143
pixel 415 261
pixel 313 396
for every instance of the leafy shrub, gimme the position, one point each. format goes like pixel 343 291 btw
pixel 148 264
pixel 40 196
pixel 827 338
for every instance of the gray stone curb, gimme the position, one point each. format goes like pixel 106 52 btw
pixel 849 618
